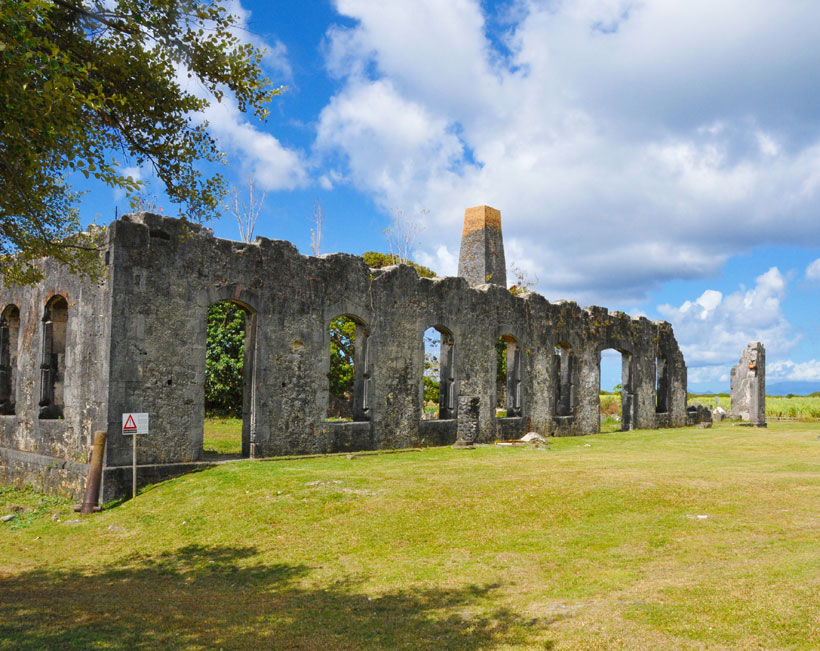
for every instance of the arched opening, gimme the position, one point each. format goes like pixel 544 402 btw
pixel 616 391
pixel 53 359
pixel 438 379
pixel 349 370
pixel 564 381
pixel 661 386
pixel 9 333
pixel 228 380
pixel 507 377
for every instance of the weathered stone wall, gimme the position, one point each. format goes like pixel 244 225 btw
pixel 748 383
pixel 52 454
pixel 138 343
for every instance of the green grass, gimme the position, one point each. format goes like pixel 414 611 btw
pixel 594 543
pixel 222 436
pixel 799 407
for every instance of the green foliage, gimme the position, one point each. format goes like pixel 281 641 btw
pixel 224 360
pixel 431 378
pixel 432 387
pixel 501 372
pixel 610 404
pixel 85 83
pixel 342 357
pixel 376 260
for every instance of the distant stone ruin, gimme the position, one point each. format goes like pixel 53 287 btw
pixel 748 382
pixel 75 355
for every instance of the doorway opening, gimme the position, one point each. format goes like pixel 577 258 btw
pixel 615 391
pixel 228 380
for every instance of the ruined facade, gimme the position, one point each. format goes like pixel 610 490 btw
pixel 76 355
pixel 748 381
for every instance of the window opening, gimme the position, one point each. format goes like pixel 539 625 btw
pixel 52 364
pixel 349 372
pixel 661 386
pixel 9 332
pixel 438 377
pixel 508 377
pixel 565 380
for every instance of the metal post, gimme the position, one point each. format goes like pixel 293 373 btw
pixel 134 466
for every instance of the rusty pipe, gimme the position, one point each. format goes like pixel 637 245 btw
pixel 92 486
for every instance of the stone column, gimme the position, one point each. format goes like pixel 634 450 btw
pixel 469 410
pixel 749 385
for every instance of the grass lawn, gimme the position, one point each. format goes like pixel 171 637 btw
pixel 222 436
pixel 633 540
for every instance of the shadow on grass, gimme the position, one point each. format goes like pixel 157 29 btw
pixel 217 597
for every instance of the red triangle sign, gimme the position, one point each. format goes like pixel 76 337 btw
pixel 129 423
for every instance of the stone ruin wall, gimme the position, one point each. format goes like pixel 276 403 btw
pixel 748 383
pixel 136 343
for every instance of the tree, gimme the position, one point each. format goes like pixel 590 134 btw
pixel 402 233
pixel 246 213
pixel 86 84
pixel 318 221
pixel 522 284
pixel 342 357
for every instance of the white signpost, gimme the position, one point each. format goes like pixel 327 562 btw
pixel 132 425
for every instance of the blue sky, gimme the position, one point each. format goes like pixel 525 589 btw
pixel 658 157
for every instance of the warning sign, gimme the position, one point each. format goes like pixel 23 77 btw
pixel 134 424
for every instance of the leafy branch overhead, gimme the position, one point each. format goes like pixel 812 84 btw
pixel 88 84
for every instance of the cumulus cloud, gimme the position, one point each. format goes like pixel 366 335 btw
pixel 713 329
pixel 626 143
pixel 808 371
pixel 813 270
pixel 274 166
pixel 443 261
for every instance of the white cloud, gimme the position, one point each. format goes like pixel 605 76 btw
pixel 626 143
pixel 813 270
pixel 714 329
pixel 443 261
pixel 808 371
pixel 274 166
pixel 250 148
pixel 393 145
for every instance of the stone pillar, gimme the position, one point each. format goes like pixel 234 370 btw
pixel 481 259
pixel 469 410
pixel 749 385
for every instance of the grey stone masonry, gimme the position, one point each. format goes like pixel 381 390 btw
pixel 75 355
pixel 748 382
pixel 481 258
